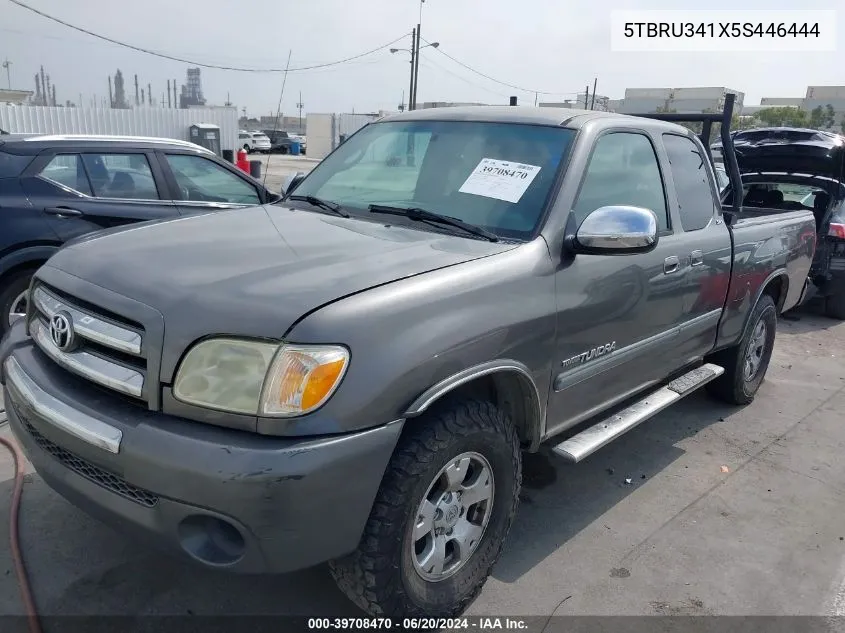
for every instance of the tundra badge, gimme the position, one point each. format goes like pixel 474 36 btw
pixel 583 357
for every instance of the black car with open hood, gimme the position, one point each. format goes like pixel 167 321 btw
pixel 794 169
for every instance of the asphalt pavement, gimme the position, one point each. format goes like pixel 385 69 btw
pixel 729 511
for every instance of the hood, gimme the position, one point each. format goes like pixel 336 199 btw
pixel 791 150
pixel 255 271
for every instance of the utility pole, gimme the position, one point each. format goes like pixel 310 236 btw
pixel 137 102
pixel 168 94
pixel 142 95
pixel 175 96
pixel 300 105
pixel 150 94
pixel 7 64
pixel 417 56
pixel 593 100
pixel 412 93
pixel 111 97
pixel 587 96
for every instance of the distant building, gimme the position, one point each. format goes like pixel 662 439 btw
pixel 15 97
pixel 814 97
pixel 445 104
pixel 582 101
pixel 192 90
pixel 681 100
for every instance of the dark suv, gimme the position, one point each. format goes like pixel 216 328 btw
pixel 56 188
pixel 279 141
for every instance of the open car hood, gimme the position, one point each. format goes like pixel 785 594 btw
pixel 791 150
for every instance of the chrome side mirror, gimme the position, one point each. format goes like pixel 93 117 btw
pixel 616 230
pixel 290 183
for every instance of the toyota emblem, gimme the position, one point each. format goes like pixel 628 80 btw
pixel 61 331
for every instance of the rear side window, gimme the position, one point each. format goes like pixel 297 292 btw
pixel 125 176
pixel 68 171
pixel 623 170
pixel 692 182
pixel 11 165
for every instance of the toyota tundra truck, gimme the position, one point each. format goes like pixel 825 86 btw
pixel 352 375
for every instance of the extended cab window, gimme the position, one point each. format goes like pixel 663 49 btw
pixel 202 180
pixel 692 181
pixel 494 175
pixel 624 171
pixel 68 171
pixel 125 176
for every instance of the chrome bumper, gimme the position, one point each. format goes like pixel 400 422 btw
pixel 52 410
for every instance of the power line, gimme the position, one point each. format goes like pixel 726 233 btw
pixel 196 63
pixel 440 50
pixel 432 64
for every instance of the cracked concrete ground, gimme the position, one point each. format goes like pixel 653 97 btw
pixel 767 537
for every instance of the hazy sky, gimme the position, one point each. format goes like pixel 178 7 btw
pixel 547 45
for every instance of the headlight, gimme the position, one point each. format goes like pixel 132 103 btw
pixel 259 378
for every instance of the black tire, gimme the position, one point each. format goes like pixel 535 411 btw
pixel 735 386
pixel 834 306
pixel 10 290
pixel 380 576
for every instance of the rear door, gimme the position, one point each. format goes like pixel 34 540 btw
pixel 83 191
pixel 203 184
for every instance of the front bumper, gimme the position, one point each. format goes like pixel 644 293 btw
pixel 227 499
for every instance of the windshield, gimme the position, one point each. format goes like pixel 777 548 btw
pixel 494 175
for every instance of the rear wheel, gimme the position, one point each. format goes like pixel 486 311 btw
pixel 14 298
pixel 834 306
pixel 746 363
pixel 441 516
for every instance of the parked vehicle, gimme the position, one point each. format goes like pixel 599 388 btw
pixel 802 169
pixel 352 374
pixel 254 142
pixel 56 188
pixel 280 141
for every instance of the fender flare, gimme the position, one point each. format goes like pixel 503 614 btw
pixel 535 406
pixel 30 254
pixel 780 272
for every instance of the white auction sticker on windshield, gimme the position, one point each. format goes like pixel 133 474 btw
pixel 499 179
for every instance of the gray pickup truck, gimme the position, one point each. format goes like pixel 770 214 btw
pixel 352 374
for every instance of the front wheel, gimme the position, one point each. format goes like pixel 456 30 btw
pixel 441 516
pixel 746 363
pixel 14 299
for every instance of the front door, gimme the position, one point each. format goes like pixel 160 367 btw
pixel 82 192
pixel 203 185
pixel 618 315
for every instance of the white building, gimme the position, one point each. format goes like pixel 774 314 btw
pixel 681 100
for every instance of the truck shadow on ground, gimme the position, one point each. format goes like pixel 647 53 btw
pixel 79 566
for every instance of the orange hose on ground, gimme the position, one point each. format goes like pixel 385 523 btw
pixel 14 538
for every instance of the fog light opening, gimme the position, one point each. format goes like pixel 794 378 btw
pixel 210 540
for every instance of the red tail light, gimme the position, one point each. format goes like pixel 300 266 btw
pixel 837 230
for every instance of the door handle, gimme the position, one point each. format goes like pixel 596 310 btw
pixel 63 212
pixel 671 264
pixel 696 258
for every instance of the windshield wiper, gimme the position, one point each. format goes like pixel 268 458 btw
pixel 323 204
pixel 421 215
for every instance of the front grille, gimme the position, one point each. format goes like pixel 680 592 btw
pixel 96 346
pixel 93 473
